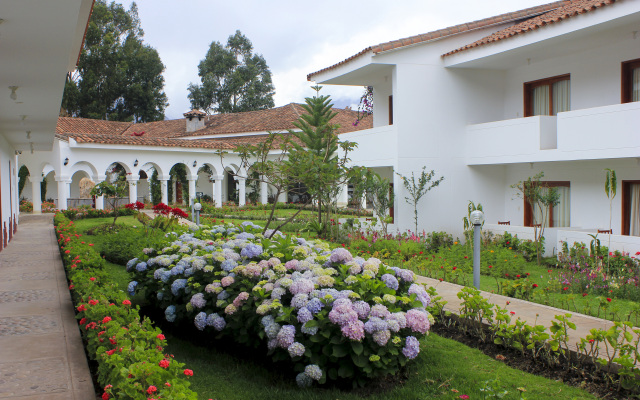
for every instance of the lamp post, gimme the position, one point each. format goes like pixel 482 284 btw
pixel 477 218
pixel 196 210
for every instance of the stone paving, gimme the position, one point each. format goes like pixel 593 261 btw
pixel 532 313
pixel 41 352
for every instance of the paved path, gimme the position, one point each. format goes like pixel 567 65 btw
pixel 41 352
pixel 532 313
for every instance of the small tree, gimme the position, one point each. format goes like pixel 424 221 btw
pixel 111 191
pixel 610 188
pixel 418 189
pixel 540 197
pixel 382 199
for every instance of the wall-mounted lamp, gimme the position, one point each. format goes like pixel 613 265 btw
pixel 66 161
pixel 13 95
pixel 195 163
pixel 135 163
pixel 28 135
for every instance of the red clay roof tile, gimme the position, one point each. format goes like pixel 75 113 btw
pixel 441 33
pixel 571 9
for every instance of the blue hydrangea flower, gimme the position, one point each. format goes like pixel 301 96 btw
pixel 315 305
pixel 390 281
pixel 313 371
pixel 177 285
pixel 303 380
pixel 131 264
pixel 201 321
pixel 131 288
pixel 304 315
pixel 228 265
pixel 170 313
pixel 251 251
pixel 411 348
pixel 296 349
pixel 198 301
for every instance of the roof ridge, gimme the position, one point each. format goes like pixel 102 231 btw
pixel 452 30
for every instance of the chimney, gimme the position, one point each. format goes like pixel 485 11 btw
pixel 195 120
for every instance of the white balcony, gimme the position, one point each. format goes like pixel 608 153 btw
pixel 588 134
pixel 376 146
pixel 510 141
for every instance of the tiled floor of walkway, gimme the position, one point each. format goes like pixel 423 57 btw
pixel 41 352
pixel 532 313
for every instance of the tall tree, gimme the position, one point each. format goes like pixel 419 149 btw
pixel 118 77
pixel 233 79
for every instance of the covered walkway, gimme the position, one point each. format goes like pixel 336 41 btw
pixel 41 352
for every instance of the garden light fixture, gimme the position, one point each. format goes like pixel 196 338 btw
pixel 196 212
pixel 477 218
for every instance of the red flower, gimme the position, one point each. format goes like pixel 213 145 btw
pixel 609 299
pixel 106 319
pixel 160 336
pixel 454 268
pixel 535 285
pixel 67 251
pixel 81 307
pixel 167 384
pixel 518 276
pixel 90 244
pixel 398 251
pixel 565 288
pixel 105 396
pixel 584 294
pixel 164 363
pixel 466 257
pixel 110 352
pixel 126 302
pixel 152 389
pixel 490 266
pixel 441 279
pixel 93 302
pixel 188 372
pixel 92 279
pixel 512 312
pixel 464 396
pixel 82 321
pixel 71 287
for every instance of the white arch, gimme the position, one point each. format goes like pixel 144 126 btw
pixel 148 166
pixel 86 167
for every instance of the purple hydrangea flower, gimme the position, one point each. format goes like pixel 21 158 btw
pixel 343 314
pixel 375 324
pixel 313 371
pixel 198 301
pixel 381 337
pixel 296 349
pixel 304 315
pixel 301 286
pixel 201 321
pixel 299 300
pixel 353 330
pixel 340 255
pixel 380 311
pixel 286 336
pixel 420 293
pixel 390 281
pixel 362 308
pixel 315 305
pixel 411 348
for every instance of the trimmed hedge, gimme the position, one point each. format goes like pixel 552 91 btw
pixel 127 349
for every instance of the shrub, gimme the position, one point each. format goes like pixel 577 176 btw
pixel 437 240
pixel 126 243
pixel 332 315
pixel 128 350
pixel 26 206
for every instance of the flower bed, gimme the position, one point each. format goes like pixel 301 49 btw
pixel 127 349
pixel 332 315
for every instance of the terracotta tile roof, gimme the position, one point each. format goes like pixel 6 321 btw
pixel 452 30
pixel 171 133
pixel 90 126
pixel 274 119
pixel 150 141
pixel 573 8
pixel 194 113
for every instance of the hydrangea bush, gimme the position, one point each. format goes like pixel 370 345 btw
pixel 334 316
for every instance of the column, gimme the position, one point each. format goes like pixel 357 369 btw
pixel 264 193
pixel 241 191
pixel 63 190
pixel 99 202
pixel 36 193
pixel 164 190
pixel 133 188
pixel 192 191
pixel 217 191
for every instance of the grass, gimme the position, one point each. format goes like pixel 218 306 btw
pixel 443 366
pixel 445 369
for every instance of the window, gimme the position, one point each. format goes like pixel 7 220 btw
pixel 631 208
pixel 391 110
pixel 547 96
pixel 631 81
pixel 558 215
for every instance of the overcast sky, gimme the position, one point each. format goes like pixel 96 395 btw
pixel 296 37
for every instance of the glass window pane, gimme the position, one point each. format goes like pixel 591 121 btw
pixel 635 88
pixel 561 211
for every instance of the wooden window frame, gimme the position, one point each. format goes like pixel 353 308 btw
pixel 390 109
pixel 528 212
pixel 627 68
pixel 528 92
pixel 626 200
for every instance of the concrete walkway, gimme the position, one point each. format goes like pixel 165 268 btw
pixel 532 313
pixel 41 352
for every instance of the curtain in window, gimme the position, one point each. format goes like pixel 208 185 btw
pixel 541 100
pixel 634 212
pixel 635 86
pixel 561 96
pixel 561 211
